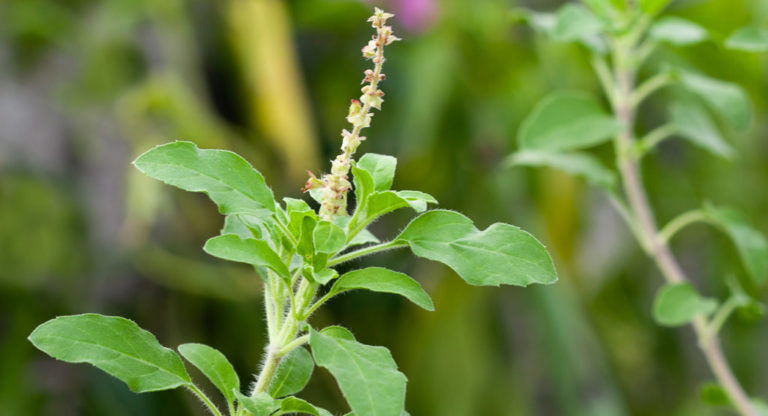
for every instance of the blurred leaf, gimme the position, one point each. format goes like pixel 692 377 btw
pixel 575 22
pixel 214 365
pixel 250 251
pixel 291 405
pixel 379 279
pixel 578 164
pixel 653 6
pixel 749 39
pixel 328 237
pixel 726 98
pixel 381 168
pixel 750 243
pixel 230 181
pixel 292 374
pixel 677 31
pixel 712 394
pixel 367 375
pixel 692 122
pixel 501 254
pixel 260 405
pixel 602 8
pixel 115 345
pixel 677 304
pixel 567 120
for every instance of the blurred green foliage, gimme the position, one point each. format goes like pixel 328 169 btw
pixel 87 85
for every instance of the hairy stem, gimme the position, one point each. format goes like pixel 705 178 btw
pixel 208 403
pixel 624 109
pixel 364 252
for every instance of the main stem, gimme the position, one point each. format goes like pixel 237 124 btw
pixel 656 247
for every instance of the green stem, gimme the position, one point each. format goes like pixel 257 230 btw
pixel 296 343
pixel 722 315
pixel 649 87
pixel 285 230
pixel 364 252
pixel 656 136
pixel 267 371
pixel 208 403
pixel 680 222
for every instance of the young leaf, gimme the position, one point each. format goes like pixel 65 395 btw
pixel 693 123
pixel 292 373
pixel 256 252
pixel 566 121
pixel 214 365
pixel 574 22
pixel 306 246
pixel 751 244
pixel 367 375
pixel 379 279
pixel 262 404
pixel 501 254
pixel 115 345
pixel 363 185
pixel 296 405
pixel 363 237
pixel 653 6
pixel 417 200
pixel 749 39
pixel 713 394
pixel 231 182
pixel 381 168
pixel 677 304
pixel 726 98
pixel 677 31
pixel 602 8
pixel 328 237
pixel 578 164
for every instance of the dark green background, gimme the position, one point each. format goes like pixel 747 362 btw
pixel 87 85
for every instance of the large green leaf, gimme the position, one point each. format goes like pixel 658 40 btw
pixel 726 98
pixel 677 31
pixel 231 182
pixel 750 243
pixel 567 120
pixel 214 365
pixel 749 39
pixel 381 168
pixel 379 279
pixel 256 252
pixel 115 345
pixel 501 254
pixel 295 405
pixel 693 123
pixel 579 164
pixel 678 304
pixel 367 375
pixel 292 374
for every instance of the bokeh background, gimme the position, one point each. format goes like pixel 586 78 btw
pixel 87 85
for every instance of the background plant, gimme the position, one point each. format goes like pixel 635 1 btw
pixel 294 250
pixel 623 38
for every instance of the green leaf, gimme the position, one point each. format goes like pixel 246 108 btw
pixel 363 237
pixel 416 199
pixel 367 375
pixel 578 164
pixel 692 122
pixel 328 237
pixel 379 279
pixel 713 394
pixel 381 168
pixel 292 373
pixel 574 22
pixel 565 121
pixel 749 39
pixel 306 246
pixel 231 182
pixel 751 244
pixel 214 365
pixel 262 404
pixel 234 224
pixel 115 345
pixel 677 304
pixel 256 252
pixel 297 210
pixel 363 185
pixel 297 405
pixel 653 6
pixel 677 31
pixel 602 8
pixel 501 254
pixel 726 98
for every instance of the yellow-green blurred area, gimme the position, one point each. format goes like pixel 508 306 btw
pixel 87 85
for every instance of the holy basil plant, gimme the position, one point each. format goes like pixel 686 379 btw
pixel 622 38
pixel 295 250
